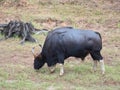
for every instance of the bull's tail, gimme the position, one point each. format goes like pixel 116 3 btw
pixel 98 34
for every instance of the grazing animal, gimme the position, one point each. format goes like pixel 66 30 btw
pixel 64 42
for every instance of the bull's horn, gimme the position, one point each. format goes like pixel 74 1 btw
pixel 40 47
pixel 33 52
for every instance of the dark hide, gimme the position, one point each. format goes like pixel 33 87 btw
pixel 62 43
pixel 38 62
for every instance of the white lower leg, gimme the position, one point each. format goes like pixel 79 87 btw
pixel 95 65
pixel 61 69
pixel 102 66
pixel 52 69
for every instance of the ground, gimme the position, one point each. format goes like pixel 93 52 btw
pixel 16 61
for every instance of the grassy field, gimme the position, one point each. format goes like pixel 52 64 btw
pixel 16 61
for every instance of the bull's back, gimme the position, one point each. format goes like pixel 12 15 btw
pixel 70 41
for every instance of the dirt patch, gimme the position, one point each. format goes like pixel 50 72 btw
pixel 111 82
pixel 2 18
pixel 17 58
pixel 50 23
pixel 17 3
pixel 111 5
pixel 111 23
pixel 5 18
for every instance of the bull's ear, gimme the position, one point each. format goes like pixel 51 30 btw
pixel 33 52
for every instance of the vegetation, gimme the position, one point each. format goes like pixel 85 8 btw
pixel 16 61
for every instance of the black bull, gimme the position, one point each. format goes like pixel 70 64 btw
pixel 62 43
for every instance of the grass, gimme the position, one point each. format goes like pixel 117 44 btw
pixel 76 77
pixel 16 61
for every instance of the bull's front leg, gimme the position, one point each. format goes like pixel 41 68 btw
pixel 61 69
pixel 95 65
pixel 52 69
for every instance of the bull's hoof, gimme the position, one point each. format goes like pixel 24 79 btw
pixel 61 74
pixel 52 71
pixel 103 73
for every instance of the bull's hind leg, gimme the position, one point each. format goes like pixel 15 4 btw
pixel 102 66
pixel 98 57
pixel 61 69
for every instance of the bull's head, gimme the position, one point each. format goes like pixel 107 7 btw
pixel 38 60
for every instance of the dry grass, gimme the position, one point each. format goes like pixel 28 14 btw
pixel 16 61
